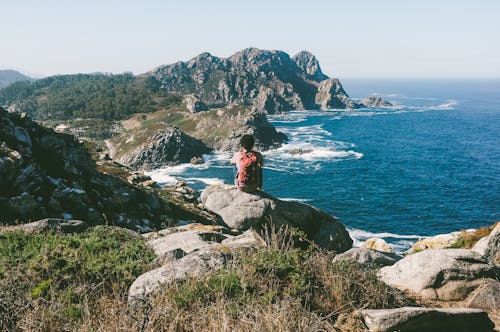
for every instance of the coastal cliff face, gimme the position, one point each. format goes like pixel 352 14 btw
pixel 268 80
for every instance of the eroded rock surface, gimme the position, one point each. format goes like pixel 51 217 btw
pixel 489 246
pixel 447 274
pixel 368 257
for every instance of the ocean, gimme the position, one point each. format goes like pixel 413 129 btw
pixel 428 165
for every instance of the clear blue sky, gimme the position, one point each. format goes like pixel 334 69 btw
pixel 375 38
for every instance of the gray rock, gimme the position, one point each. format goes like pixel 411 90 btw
pixel 331 95
pixel 489 246
pixel 310 65
pixel 194 104
pixel 242 211
pixel 375 101
pixel 368 257
pixel 191 250
pixel 447 274
pixel 51 224
pixel 249 239
pixel 195 265
pixel 179 241
pixel 486 296
pixel 427 320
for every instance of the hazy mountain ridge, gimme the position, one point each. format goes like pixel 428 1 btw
pixel 8 76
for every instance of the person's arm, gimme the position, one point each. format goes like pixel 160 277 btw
pixel 261 164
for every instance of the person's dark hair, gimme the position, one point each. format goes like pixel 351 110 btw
pixel 247 141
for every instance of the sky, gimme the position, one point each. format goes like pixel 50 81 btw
pixel 350 38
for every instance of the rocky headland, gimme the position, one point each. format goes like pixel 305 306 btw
pixel 177 112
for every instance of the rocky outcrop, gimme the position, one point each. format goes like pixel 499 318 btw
pixel 448 274
pixel 331 95
pixel 47 174
pixel 267 80
pixel 240 210
pixel 440 241
pixel 368 257
pixel 49 225
pixel 489 246
pixel 427 320
pixel 221 130
pixel 310 66
pixel 193 103
pixel 486 296
pixel 375 101
pixel 191 250
pixel 165 146
pixel 194 265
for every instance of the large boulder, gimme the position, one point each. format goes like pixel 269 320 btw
pixel 489 246
pixel 194 265
pixel 368 257
pixel 240 210
pixel 447 274
pixel 427 320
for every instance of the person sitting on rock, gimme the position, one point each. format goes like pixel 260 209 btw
pixel 248 166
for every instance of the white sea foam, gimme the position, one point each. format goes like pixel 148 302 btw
pixel 400 242
pixel 301 200
pixel 362 234
pixel 207 181
pixel 162 178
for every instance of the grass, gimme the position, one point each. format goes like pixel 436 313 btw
pixel 54 282
pixel 52 278
pixel 468 239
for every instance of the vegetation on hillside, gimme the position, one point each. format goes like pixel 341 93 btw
pixel 101 96
pixel 48 281
pixel 56 282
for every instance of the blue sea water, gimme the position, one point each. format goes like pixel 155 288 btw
pixel 429 165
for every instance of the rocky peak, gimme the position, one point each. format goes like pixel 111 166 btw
pixel 310 65
pixel 269 80
pixel 255 58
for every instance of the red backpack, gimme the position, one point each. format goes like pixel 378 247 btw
pixel 249 171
